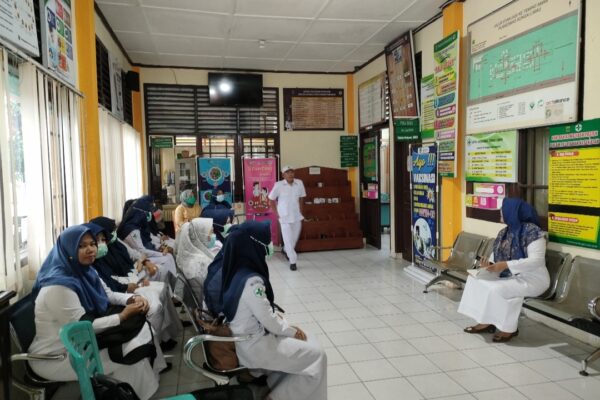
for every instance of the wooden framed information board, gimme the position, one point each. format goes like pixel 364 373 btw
pixel 313 109
pixel 371 101
pixel 400 64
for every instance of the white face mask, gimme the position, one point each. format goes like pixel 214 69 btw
pixel 220 197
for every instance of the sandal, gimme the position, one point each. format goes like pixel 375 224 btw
pixel 505 338
pixel 487 329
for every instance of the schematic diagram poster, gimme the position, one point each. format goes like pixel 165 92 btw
pixel 523 66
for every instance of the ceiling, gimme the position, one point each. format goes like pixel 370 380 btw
pixel 299 35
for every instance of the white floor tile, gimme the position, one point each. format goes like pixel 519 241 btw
pixel 546 391
pixel 517 374
pixel 500 394
pixel 431 344
pixel 464 341
pixel 414 365
pixel 393 389
pixel 477 380
pixel 452 361
pixel 359 352
pixel 584 387
pixel 354 391
pixel 347 338
pixel 413 331
pixel 367 323
pixel 396 348
pixel 375 335
pixel 374 370
pixel 488 356
pixel 436 385
pixel 554 369
pixel 336 325
pixel 395 320
pixel 341 374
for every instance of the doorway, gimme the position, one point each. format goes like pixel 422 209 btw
pixel 402 195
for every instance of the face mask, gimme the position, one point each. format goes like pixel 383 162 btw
pixel 149 216
pixel 212 242
pixel 102 250
pixel 114 237
pixel 191 201
pixel 220 197
pixel 268 248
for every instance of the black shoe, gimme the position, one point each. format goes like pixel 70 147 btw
pixel 167 368
pixel 293 267
pixel 168 345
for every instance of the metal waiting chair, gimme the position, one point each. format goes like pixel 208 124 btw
pixel 555 263
pixel 80 341
pixel 22 332
pixel 462 258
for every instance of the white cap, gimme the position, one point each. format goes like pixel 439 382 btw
pixel 286 168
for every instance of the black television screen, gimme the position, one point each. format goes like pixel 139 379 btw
pixel 243 90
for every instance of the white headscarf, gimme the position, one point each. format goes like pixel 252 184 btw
pixel 193 257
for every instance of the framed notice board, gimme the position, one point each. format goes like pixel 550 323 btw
pixel 313 109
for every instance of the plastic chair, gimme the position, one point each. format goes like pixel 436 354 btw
pixel 80 341
pixel 22 332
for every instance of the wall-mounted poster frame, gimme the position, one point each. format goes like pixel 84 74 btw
pixel 524 66
pixel 318 109
pixel 400 62
pixel 371 102
pixel 58 39
pixel 17 25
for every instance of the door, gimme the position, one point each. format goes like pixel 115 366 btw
pixel 370 208
pixel 403 215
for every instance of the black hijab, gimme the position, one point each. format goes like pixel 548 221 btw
pixel 135 218
pixel 244 257
pixel 117 259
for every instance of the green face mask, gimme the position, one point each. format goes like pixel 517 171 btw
pixel 270 250
pixel 149 217
pixel 102 250
pixel 114 237
pixel 191 201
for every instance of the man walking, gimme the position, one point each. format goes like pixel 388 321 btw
pixel 285 200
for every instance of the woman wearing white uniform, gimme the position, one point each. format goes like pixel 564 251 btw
pixel 66 289
pixel 134 231
pixel 193 249
pixel 517 269
pixel 295 363
pixel 113 260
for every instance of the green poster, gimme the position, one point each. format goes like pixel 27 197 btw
pixel 581 134
pixel 162 142
pixel 406 129
pixel 492 157
pixel 369 153
pixel 427 108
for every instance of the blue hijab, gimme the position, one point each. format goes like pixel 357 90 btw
pixel 523 227
pixel 135 218
pixel 62 267
pixel 244 257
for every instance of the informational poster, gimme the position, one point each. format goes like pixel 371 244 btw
pixel 161 142
pixel 574 184
pixel 260 175
pixel 58 39
pixel 523 66
pixel 492 157
pixel 445 55
pixel 428 108
pixel 17 25
pixel 371 101
pixel 407 129
pixel 349 151
pixel 424 204
pixel 369 158
pixel 487 196
pixel 116 86
pixel 214 174
pixel 313 109
pixel 402 79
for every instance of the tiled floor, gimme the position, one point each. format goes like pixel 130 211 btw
pixel 386 340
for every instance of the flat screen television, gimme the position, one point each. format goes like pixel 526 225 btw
pixel 231 90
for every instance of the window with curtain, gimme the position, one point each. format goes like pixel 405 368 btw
pixel 41 177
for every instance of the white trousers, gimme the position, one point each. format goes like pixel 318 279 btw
pixel 290 231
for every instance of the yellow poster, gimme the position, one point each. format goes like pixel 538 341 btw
pixel 573 229
pixel 574 178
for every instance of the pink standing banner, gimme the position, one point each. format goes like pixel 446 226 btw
pixel 260 174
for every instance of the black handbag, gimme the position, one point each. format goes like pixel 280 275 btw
pixel 107 388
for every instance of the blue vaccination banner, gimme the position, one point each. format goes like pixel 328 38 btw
pixel 214 173
pixel 424 205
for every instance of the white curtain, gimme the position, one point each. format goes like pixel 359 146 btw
pixel 132 167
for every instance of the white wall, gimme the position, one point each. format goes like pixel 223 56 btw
pixel 301 148
pixel 107 40
pixel 474 10
pixel 424 41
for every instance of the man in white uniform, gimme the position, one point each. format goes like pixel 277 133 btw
pixel 285 200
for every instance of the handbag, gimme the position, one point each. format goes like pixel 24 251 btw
pixel 221 355
pixel 108 388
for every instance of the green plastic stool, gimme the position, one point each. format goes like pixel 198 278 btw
pixel 80 341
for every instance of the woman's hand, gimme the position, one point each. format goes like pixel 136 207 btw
pixel 497 267
pixel 131 287
pixel 145 282
pixel 143 302
pixel 151 268
pixel 130 310
pixel 300 335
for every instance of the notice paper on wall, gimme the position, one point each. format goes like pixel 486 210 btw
pixel 17 25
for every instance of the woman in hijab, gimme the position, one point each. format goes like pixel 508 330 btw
pixel 134 231
pixel 193 248
pixel 187 210
pixel 67 289
pixel 516 269
pixel 113 261
pixel 220 211
pixel 296 365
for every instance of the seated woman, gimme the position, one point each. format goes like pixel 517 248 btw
pixel 112 260
pixel 134 231
pixel 220 211
pixel 193 249
pixel 517 269
pixel 186 211
pixel 159 239
pixel 67 289
pixel 295 363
